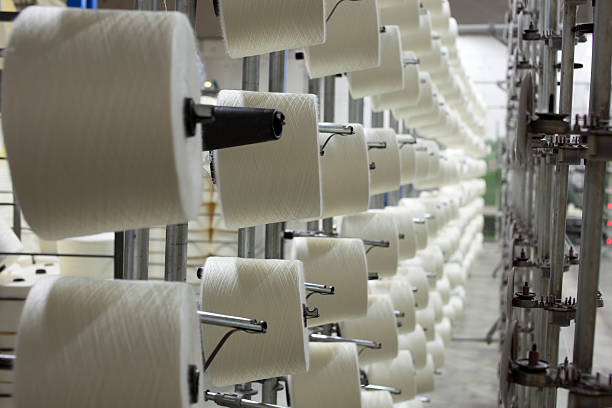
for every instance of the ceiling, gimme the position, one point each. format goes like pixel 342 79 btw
pixel 479 11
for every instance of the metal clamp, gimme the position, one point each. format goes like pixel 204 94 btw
pixel 377 145
pixel 372 387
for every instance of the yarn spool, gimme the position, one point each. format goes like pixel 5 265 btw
pixel 415 274
pixel 99 244
pixel 405 15
pixel 418 39
pixel 443 287
pixel 135 102
pixel 352 40
pixel 416 343
pixel 444 330
pixel 436 350
pixel 426 319
pixel 375 225
pixel 435 300
pixel 425 377
pixel 408 163
pixel 457 304
pixel 254 28
pixel 388 76
pixel 405 226
pixel 378 325
pixel 398 373
pixel 376 399
pixel 333 376
pixel 417 212
pixel 281 179
pixel 270 290
pixel 413 403
pixel 342 264
pixel 386 176
pixel 104 335
pixel 449 312
pixel 407 96
pixel 402 299
pixel 345 174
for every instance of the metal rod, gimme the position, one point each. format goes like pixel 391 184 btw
pixel 58 254
pixel 176 253
pixel 234 401
pixel 336 128
pixel 318 288
pixel 321 338
pixel 277 82
pixel 355 113
pixel 377 145
pixel 235 322
pixel 250 82
pixel 118 255
pixel 593 201
pixel 372 387
pixel 290 234
pixel 559 212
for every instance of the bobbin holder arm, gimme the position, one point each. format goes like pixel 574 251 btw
pixel 372 387
pixel 322 338
pixel 235 401
pixel 290 234
pixel 227 126
pixel 235 322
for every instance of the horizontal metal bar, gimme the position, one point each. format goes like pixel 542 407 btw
pixel 235 322
pixel 321 338
pixel 336 128
pixel 318 288
pixel 372 387
pixel 290 234
pixel 481 29
pixel 56 254
pixel 233 401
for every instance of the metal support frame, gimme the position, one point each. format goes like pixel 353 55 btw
pixel 250 82
pixel 274 232
pixel 593 200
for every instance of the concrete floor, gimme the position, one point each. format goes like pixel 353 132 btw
pixel 469 377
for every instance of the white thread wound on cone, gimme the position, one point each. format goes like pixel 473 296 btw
pixel 345 175
pixel 407 96
pixel 386 176
pixel 387 77
pixel 375 225
pixel 342 264
pixel 416 343
pixel 378 325
pixel 332 379
pixel 398 373
pixel 376 399
pixel 401 296
pixel 263 26
pixel 118 83
pixel 141 337
pixel 270 290
pixel 275 181
pixel 352 40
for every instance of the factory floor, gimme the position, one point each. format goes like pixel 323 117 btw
pixel 469 377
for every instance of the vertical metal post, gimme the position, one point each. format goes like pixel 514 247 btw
pixel 176 253
pixel 136 254
pixel 274 237
pixel 118 257
pixel 561 179
pixel 393 123
pixel 355 110
pixel 378 119
pixel 593 201
pixel 176 235
pixel 16 217
pixel 250 82
pixel 314 88
pixel 329 110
